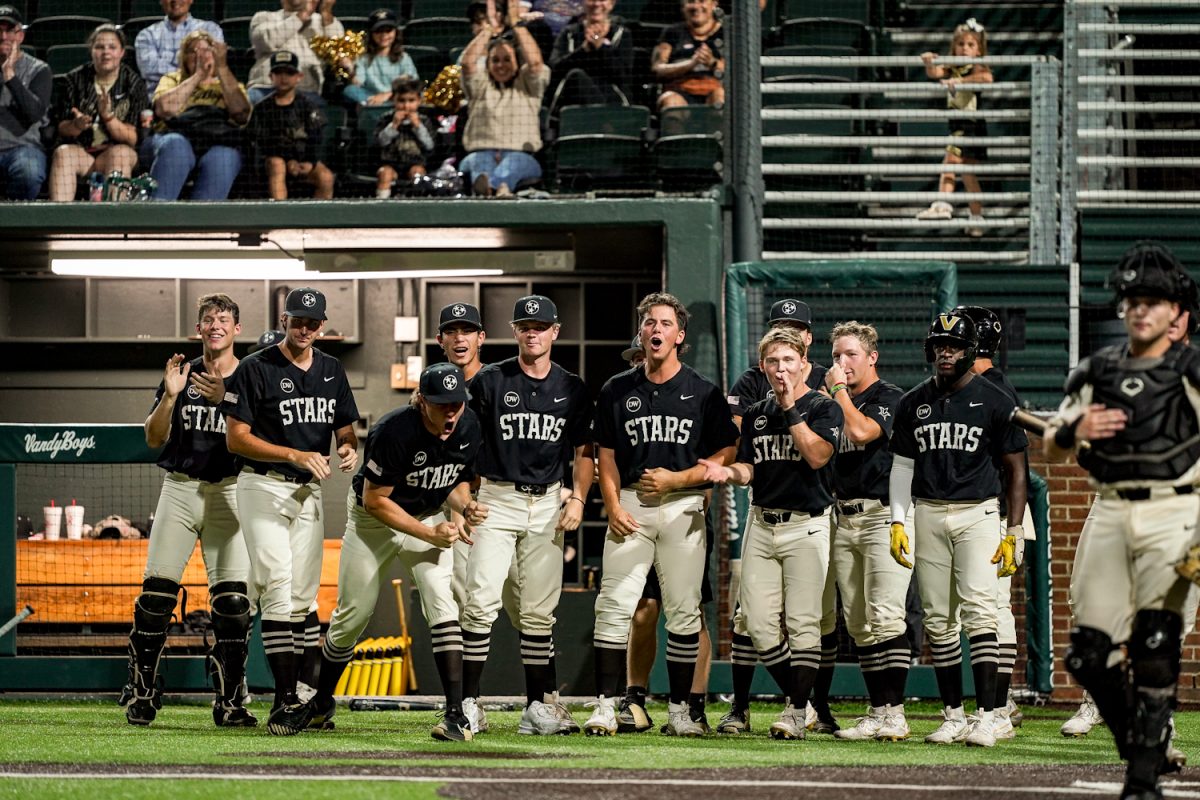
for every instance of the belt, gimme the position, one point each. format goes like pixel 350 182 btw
pixel 776 517
pixel 270 473
pixel 850 509
pixel 534 489
pixel 1146 493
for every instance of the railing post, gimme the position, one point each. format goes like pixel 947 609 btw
pixel 1043 162
pixel 745 129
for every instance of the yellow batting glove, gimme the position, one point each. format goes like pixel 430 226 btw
pixel 1006 556
pixel 900 546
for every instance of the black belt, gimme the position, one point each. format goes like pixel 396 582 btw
pixel 773 518
pixel 850 509
pixel 281 476
pixel 1147 492
pixel 533 489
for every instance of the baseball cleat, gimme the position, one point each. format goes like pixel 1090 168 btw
pixel 865 728
pixel 288 720
pixel 475 714
pixel 541 719
pixel 603 721
pixel 680 722
pixel 232 715
pixel 142 710
pixel 322 710
pixel 983 731
pixel 737 720
pixel 632 717
pixel 305 692
pixel 790 724
pixel 953 728
pixel 1003 728
pixel 810 716
pixel 1086 717
pixel 452 728
pixel 895 726
pixel 1174 760
pixel 825 722
pixel 1015 714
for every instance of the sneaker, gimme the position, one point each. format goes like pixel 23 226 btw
pixel 231 715
pixel 1015 716
pixel 566 723
pixel 502 191
pixel 680 722
pixel 142 710
pixel 983 732
pixel 865 728
pixel 939 210
pixel 736 720
pixel 973 228
pixel 790 724
pixel 810 716
pixel 1086 717
pixel 1003 727
pixel 632 717
pixel 540 719
pixel 603 721
pixel 953 728
pixel 1174 760
pixel 825 722
pixel 452 728
pixel 895 726
pixel 288 720
pixel 475 714
pixel 322 711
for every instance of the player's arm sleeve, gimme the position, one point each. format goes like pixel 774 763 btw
pixel 739 398
pixel 477 396
pixel 902 442
pixel 604 427
pixel 883 413
pixel 1011 438
pixel 900 487
pixel 241 393
pixel 745 451
pixel 346 412
pixel 385 467
pixel 579 425
pixel 825 418
pixel 719 430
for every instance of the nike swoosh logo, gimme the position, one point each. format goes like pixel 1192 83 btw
pixel 990 511
pixel 327 380
pixel 464 446
pixel 974 405
pixel 559 399
pixel 686 396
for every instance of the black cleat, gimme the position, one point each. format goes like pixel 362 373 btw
pixel 229 715
pixel 737 720
pixel 288 720
pixel 452 728
pixel 632 717
pixel 322 713
pixel 825 722
pixel 142 710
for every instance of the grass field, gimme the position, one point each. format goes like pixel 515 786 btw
pixel 76 749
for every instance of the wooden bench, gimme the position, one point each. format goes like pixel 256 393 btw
pixel 95 581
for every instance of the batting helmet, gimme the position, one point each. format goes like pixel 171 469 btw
pixel 988 331
pixel 953 329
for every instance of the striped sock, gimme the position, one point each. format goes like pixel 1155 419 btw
pixel 448 655
pixel 682 651
pixel 744 658
pixel 947 665
pixel 475 653
pixel 535 658
pixel 985 657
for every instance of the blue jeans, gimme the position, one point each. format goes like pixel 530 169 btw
pixel 172 159
pixel 514 167
pixel 24 168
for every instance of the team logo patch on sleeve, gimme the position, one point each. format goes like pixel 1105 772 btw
pixel 884 413
pixel 733 399
pixel 372 466
pixel 231 397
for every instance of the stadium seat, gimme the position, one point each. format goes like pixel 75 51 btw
pixel 440 32
pixel 247 8
pixel 424 9
pixel 429 61
pixel 799 98
pixel 363 8
pixel 660 12
pixel 109 9
pixel 132 27
pixel 833 72
pixel 45 32
pixel 859 10
pixel 237 32
pixel 63 58
pixel 601 145
pixel 688 152
pixel 201 9
pixel 826 32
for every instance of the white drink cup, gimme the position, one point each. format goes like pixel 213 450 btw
pixel 53 521
pixel 74 516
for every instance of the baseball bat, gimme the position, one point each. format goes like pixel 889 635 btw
pixel 410 671
pixel 381 704
pixel 21 616
pixel 1025 420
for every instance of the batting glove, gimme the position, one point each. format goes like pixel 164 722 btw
pixel 1006 555
pixel 1018 533
pixel 1189 566
pixel 900 546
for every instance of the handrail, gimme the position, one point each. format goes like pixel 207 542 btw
pixel 903 61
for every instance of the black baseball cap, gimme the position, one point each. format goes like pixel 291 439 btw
pixel 459 314
pixel 443 383
pixel 382 18
pixel 633 349
pixel 268 339
pixel 11 15
pixel 305 302
pixel 285 60
pixel 535 308
pixel 789 310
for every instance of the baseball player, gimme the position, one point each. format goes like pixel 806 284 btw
pixel 416 458
pixel 652 427
pixel 989 332
pixel 786 442
pixel 949 440
pixel 1131 418
pixel 534 415
pixel 282 407
pixel 873 586
pixel 198 501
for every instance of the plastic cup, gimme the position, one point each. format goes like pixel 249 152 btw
pixel 53 521
pixel 74 516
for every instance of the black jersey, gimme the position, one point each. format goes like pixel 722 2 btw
pixel 862 471
pixel 196 444
pixel 754 386
pixel 1001 381
pixel 529 425
pixel 782 478
pixel 288 406
pixel 422 468
pixel 669 425
pixel 956 439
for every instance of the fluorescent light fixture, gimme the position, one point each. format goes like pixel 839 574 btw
pixel 207 268
pixel 401 273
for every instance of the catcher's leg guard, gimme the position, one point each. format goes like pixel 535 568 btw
pixel 231 629
pixel 1154 653
pixel 1095 663
pixel 151 616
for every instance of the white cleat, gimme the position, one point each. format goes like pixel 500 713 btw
pixel 865 728
pixel 1014 712
pixel 790 724
pixel 1003 727
pixel 541 719
pixel 680 722
pixel 983 730
pixel 1086 717
pixel 953 728
pixel 810 716
pixel 895 726
pixel 475 714
pixel 603 721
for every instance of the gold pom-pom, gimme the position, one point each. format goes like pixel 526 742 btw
pixel 445 92
pixel 333 49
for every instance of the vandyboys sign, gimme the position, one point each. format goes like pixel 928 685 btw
pixel 74 444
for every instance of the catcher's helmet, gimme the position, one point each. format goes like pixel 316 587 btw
pixel 1148 269
pixel 988 331
pixel 953 329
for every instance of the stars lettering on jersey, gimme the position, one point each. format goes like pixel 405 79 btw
pixel 884 413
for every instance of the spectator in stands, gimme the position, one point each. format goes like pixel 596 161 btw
pixel 99 114
pixel 375 71
pixel 24 101
pixel 503 129
pixel 593 59
pixel 969 41
pixel 192 134
pixel 287 128
pixel 687 60
pixel 291 28
pixel 157 47
pixel 405 139
pixel 546 19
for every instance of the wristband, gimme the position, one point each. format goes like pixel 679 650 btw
pixel 837 387
pixel 792 416
pixel 1016 531
pixel 1064 435
pixel 576 497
